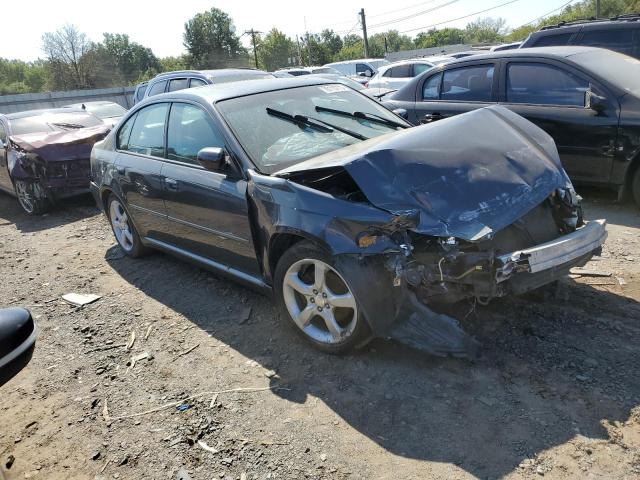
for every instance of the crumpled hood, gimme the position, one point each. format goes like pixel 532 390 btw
pixel 468 176
pixel 59 146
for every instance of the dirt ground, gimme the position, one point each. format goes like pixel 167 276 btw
pixel 556 394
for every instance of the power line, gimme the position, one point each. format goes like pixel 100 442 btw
pixel 378 14
pixel 413 15
pixel 549 13
pixel 400 9
pixel 460 18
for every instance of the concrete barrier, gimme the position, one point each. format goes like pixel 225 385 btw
pixel 34 101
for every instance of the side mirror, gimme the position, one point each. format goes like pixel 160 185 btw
pixel 211 158
pixel 368 73
pixel 401 112
pixel 595 102
pixel 17 341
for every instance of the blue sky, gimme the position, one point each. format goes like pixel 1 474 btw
pixel 159 24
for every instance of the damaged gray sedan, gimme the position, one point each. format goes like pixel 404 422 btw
pixel 360 226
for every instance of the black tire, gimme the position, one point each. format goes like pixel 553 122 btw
pixel 135 249
pixel 31 202
pixel 635 187
pixel 359 335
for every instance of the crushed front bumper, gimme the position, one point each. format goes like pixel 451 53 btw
pixel 567 251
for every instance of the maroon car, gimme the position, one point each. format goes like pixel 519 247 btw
pixel 44 155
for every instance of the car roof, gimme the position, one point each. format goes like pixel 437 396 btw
pixel 343 62
pixel 218 73
pixel 43 111
pixel 542 52
pixel 593 22
pixel 223 91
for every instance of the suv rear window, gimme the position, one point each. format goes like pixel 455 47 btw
pixel 552 40
pixel 620 39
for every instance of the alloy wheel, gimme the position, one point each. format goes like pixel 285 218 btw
pixel 320 301
pixel 120 223
pixel 25 196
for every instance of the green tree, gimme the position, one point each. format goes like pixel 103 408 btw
pixel 211 41
pixel 275 50
pixel 65 50
pixel 485 30
pixel 439 38
pixel 582 10
pixel 352 47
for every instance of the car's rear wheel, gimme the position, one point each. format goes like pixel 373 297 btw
pixel 123 228
pixel 30 197
pixel 316 300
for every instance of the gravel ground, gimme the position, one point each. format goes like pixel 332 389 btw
pixel 556 394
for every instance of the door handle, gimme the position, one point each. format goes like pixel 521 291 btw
pixel 171 183
pixel 431 117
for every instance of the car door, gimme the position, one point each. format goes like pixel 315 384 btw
pixel 5 179
pixel 207 210
pixel 552 95
pixel 140 151
pixel 454 90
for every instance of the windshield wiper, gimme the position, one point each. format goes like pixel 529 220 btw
pixel 314 123
pixel 372 117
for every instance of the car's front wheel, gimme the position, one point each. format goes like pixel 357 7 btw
pixel 123 228
pixel 317 301
pixel 31 198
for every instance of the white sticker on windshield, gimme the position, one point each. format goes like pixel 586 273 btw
pixel 333 88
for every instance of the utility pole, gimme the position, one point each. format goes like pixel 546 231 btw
pixel 299 62
pixel 597 8
pixel 386 49
pixel 364 33
pixel 253 41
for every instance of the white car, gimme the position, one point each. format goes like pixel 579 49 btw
pixel 396 75
pixel 360 70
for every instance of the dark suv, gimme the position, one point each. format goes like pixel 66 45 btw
pixel 621 34
pixel 586 98
pixel 182 79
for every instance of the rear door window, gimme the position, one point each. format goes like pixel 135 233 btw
pixel 619 39
pixel 543 84
pixel 147 133
pixel 468 84
pixel 157 88
pixel 178 84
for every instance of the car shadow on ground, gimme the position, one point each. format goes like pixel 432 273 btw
pixel 552 369
pixel 66 211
